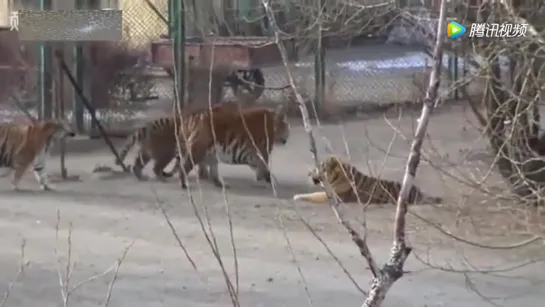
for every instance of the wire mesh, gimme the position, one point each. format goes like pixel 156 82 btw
pixel 376 73
pixel 373 74
pixel 133 85
pixel 141 24
pixel 129 80
pixel 18 77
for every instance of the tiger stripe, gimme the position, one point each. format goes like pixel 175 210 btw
pixel 351 185
pixel 241 138
pixel 23 144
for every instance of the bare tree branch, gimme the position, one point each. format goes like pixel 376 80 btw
pixel 357 238
pixel 393 269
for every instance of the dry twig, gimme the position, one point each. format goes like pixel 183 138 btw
pixel 393 269
pixel 358 239
pixel 22 266
pixel 64 281
pixel 209 234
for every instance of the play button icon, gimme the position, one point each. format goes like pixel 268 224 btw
pixel 455 30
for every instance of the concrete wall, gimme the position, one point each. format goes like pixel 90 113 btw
pixel 4 13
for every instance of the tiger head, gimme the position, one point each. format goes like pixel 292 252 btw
pixel 327 170
pixel 281 125
pixel 57 129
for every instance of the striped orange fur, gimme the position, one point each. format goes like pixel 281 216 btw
pixel 243 138
pixel 157 141
pixel 23 144
pixel 351 185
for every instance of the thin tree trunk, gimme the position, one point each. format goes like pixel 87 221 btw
pixel 393 269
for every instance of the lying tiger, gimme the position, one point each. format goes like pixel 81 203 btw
pixel 351 185
pixel 234 136
pixel 22 144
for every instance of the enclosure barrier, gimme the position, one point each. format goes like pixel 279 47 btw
pixel 333 66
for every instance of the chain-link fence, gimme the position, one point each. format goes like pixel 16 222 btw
pixel 129 80
pixel 123 83
pixel 364 63
pixel 375 74
pixel 19 71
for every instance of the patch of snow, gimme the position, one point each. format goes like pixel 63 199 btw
pixel 86 29
pixel 411 61
pixel 415 60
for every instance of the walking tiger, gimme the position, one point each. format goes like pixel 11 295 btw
pixel 157 141
pixel 22 144
pixel 223 133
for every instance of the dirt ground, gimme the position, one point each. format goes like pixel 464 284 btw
pixel 279 260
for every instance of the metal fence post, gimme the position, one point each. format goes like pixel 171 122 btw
pixel 319 65
pixel 87 76
pixel 177 25
pixel 452 63
pixel 456 77
pixel 170 16
pixel 59 103
pixel 77 106
pixel 45 77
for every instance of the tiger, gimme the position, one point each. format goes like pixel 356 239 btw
pixel 351 185
pixel 22 144
pixel 245 137
pixel 157 141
